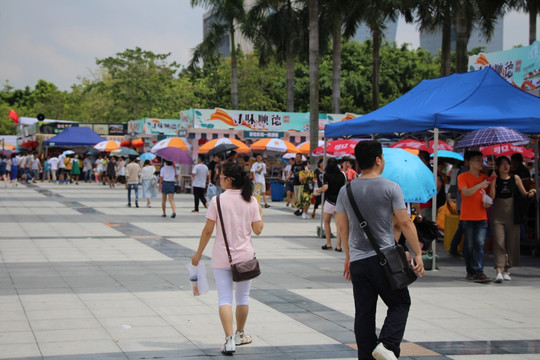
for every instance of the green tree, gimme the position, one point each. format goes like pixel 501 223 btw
pixel 48 100
pixel 334 14
pixel 136 80
pixel 375 13
pixel 227 14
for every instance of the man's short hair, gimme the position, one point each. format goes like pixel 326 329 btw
pixel 366 153
pixel 475 153
pixel 517 157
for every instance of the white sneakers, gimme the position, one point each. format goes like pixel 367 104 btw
pixel 304 216
pixel 229 347
pixel 504 276
pixel 382 353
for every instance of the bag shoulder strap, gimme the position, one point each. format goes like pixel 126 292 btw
pixel 223 229
pixel 363 223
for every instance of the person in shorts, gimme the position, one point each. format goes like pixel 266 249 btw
pixel 167 181
pixel 333 180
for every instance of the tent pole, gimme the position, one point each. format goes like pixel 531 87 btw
pixel 535 179
pixel 434 199
pixel 322 196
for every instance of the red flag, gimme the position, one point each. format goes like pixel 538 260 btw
pixel 14 116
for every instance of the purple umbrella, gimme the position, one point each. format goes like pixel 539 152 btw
pixel 492 136
pixel 176 155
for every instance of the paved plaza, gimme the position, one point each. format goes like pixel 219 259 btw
pixel 82 276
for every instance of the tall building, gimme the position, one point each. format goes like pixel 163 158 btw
pixel 431 41
pixel 364 33
pixel 240 40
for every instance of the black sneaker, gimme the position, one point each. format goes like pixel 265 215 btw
pixel 298 212
pixel 129 204
pixel 455 253
pixel 136 204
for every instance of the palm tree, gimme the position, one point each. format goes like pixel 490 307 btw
pixel 431 15
pixel 374 13
pixel 483 12
pixel 333 15
pixel 227 14
pixel 463 14
pixel 313 7
pixel 533 8
pixel 278 29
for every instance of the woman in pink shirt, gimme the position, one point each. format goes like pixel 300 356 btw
pixel 242 214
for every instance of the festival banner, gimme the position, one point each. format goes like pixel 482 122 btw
pixel 519 66
pixel 256 120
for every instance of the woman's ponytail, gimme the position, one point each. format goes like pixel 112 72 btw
pixel 246 187
pixel 240 179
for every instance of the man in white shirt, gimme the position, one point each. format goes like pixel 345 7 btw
pixel 53 163
pixel 62 177
pixel 133 172
pixel 35 167
pixel 87 169
pixel 258 170
pixel 199 178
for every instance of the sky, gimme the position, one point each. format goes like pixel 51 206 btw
pixel 60 40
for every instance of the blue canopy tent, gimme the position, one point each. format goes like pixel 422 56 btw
pixel 74 136
pixel 459 102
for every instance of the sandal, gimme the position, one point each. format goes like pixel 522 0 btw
pixel 228 347
pixel 324 247
pixel 241 338
pixel 338 250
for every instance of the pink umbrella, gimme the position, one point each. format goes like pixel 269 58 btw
pixel 337 148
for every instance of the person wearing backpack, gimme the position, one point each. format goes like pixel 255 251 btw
pixel 307 182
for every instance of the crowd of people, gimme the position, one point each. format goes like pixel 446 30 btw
pixel 492 204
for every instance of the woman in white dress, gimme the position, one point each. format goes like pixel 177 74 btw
pixel 149 182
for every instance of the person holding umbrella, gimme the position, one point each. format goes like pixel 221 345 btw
pixel 167 180
pixel 472 185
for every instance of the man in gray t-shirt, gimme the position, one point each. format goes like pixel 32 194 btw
pixel 376 190
pixel 381 203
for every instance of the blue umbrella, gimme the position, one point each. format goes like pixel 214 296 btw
pixel 448 155
pixel 492 136
pixel 410 173
pixel 147 156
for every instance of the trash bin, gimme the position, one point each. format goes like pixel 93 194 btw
pixel 277 190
